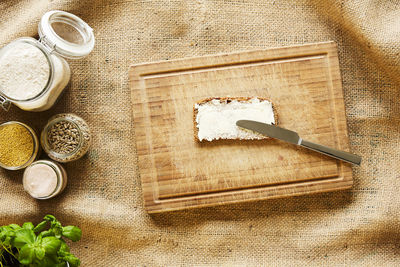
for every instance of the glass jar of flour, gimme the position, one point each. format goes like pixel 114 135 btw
pixel 34 73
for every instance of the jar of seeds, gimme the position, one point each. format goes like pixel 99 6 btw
pixel 66 137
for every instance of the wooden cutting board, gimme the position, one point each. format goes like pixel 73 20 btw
pixel 179 172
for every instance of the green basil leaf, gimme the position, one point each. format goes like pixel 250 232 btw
pixel 49 218
pixel 64 247
pixel 26 254
pixel 22 237
pixel 39 253
pixel 3 234
pixel 57 231
pixel 72 232
pixel 40 227
pixel 5 243
pixel 39 239
pixel 28 225
pixel 72 260
pixel 46 233
pixel 55 225
pixel 48 261
pixel 14 226
pixel 6 235
pixel 51 244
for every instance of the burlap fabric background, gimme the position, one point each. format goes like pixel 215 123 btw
pixel 356 227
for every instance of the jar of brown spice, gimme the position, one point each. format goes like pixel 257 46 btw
pixel 66 137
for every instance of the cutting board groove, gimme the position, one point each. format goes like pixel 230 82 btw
pixel 179 172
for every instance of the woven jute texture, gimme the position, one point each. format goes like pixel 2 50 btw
pixel 357 227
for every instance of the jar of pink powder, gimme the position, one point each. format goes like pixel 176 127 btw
pixel 44 179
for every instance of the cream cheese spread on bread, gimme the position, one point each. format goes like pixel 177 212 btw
pixel 216 118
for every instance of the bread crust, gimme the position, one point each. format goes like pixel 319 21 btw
pixel 227 100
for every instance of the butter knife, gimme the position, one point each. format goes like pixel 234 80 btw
pixel 292 137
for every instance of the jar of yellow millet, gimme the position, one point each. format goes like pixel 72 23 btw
pixel 19 145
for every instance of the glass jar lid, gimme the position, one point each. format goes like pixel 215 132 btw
pixel 66 34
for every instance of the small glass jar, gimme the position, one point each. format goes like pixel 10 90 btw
pixel 44 179
pixel 35 149
pixel 66 137
pixel 62 35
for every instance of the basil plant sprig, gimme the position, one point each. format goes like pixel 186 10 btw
pixel 34 246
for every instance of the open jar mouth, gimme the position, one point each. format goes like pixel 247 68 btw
pixel 35 151
pixel 46 145
pixel 66 34
pixel 46 54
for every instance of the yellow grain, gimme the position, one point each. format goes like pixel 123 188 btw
pixel 16 145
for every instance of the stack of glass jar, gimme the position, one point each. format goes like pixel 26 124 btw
pixel 44 179
pixel 33 75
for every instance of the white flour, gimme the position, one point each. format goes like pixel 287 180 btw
pixel 24 71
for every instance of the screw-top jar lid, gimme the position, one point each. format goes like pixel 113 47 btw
pixel 66 34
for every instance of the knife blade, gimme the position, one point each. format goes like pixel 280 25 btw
pixel 293 138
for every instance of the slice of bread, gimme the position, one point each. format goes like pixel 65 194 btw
pixel 215 118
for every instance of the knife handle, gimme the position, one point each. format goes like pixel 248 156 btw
pixel 338 154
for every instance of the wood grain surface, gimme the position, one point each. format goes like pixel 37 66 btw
pixel 179 172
